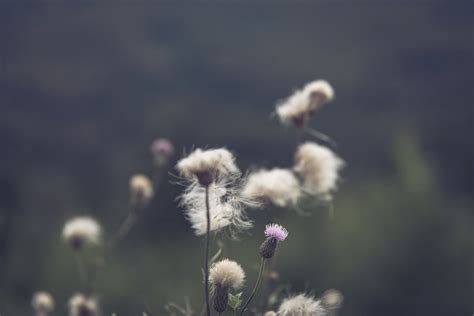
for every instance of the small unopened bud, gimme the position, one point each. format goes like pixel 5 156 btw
pixel 268 248
pixel 221 298
pixel 141 191
pixel 332 299
pixel 162 150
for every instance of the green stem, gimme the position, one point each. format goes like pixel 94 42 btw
pixel 81 268
pixel 206 261
pixel 255 289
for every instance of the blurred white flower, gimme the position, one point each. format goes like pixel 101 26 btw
pixel 81 230
pixel 42 303
pixel 277 186
pixel 319 168
pixel 301 305
pixel 80 305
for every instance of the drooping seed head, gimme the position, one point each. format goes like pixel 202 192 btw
pixel 298 108
pixel 80 231
pixel 42 303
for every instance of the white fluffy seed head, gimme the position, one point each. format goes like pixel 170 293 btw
pixel 141 188
pixel 42 303
pixel 332 299
pixel 301 305
pixel 303 103
pixel 319 168
pixel 215 162
pixel 81 230
pixel 227 273
pixel 226 207
pixel 277 186
pixel 270 313
pixel 80 305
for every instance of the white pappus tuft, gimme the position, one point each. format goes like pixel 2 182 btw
pixel 301 305
pixel 302 104
pixel 277 186
pixel 227 273
pixel 319 168
pixel 81 230
pixel 226 207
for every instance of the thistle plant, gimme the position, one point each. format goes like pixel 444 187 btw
pixel 214 201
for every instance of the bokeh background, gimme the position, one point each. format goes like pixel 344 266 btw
pixel 87 85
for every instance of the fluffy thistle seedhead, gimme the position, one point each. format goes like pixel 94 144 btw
pixel 298 108
pixel 162 150
pixel 319 168
pixel 332 299
pixel 277 186
pixel 301 305
pixel 80 305
pixel 208 165
pixel 42 303
pixel 227 273
pixel 227 207
pixel 270 313
pixel 274 233
pixel 80 231
pixel 141 190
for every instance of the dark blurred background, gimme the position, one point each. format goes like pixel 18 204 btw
pixel 87 85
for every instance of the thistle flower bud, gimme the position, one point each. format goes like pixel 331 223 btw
pixel 162 150
pixel 141 190
pixel 274 233
pixel 42 303
pixel 80 231
pixel 220 298
pixel 80 305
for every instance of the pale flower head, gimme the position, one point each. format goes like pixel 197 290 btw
pixel 303 103
pixel 141 189
pixel 277 186
pixel 42 303
pixel 270 313
pixel 301 305
pixel 227 273
pixel 208 165
pixel 332 299
pixel 80 305
pixel 80 231
pixel 319 168
pixel 226 208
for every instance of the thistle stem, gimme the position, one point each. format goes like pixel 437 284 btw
pixel 124 228
pixel 255 289
pixel 206 261
pixel 81 269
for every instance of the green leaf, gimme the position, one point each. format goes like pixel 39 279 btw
pixel 235 300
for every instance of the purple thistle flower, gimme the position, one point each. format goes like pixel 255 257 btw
pixel 275 231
